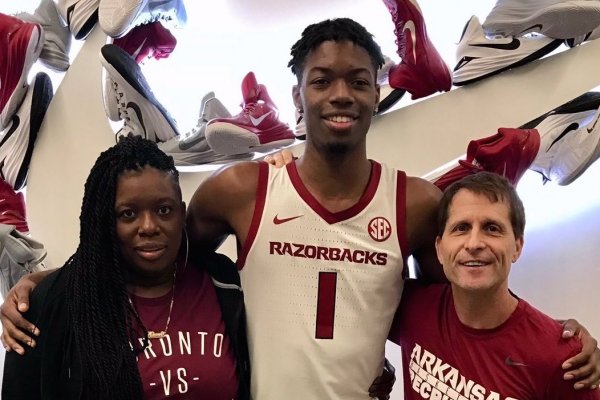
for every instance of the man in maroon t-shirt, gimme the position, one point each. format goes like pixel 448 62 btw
pixel 474 339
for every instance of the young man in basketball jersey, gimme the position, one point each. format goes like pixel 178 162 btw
pixel 473 338
pixel 322 243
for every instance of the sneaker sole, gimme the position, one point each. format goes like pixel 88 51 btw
pixel 116 16
pixel 559 21
pixel 230 139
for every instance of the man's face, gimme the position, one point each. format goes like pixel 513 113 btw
pixel 478 244
pixel 338 94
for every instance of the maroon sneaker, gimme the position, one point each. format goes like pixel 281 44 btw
pixel 12 208
pixel 256 128
pixel 422 71
pixel 151 40
pixel 509 153
pixel 20 46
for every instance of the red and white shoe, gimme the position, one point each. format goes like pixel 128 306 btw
pixel 20 46
pixel 508 153
pixel 12 207
pixel 422 71
pixel 256 128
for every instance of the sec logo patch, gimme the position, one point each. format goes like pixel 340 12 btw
pixel 379 229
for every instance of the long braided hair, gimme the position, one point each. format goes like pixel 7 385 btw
pixel 103 322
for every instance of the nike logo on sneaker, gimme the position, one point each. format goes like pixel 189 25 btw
pixel 568 129
pixel 464 61
pixel 257 121
pixel 140 118
pixel 510 361
pixel 140 47
pixel 534 28
pixel 188 143
pixel 70 11
pixel 593 126
pixel 278 221
pixel 2 169
pixel 410 27
pixel 13 127
pixel 513 45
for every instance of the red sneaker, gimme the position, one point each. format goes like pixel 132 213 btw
pixel 12 208
pixel 256 128
pixel 20 46
pixel 151 40
pixel 422 71
pixel 509 153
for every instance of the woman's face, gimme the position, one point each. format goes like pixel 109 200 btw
pixel 150 218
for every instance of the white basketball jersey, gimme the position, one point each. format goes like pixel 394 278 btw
pixel 321 288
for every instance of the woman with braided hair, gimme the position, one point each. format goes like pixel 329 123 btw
pixel 129 316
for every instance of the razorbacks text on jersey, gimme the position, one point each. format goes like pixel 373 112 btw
pixel 321 288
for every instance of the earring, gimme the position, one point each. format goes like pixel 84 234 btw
pixel 376 110
pixel 300 111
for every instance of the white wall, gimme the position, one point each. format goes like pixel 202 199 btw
pixel 560 266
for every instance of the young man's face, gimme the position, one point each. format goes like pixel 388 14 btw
pixel 338 94
pixel 478 244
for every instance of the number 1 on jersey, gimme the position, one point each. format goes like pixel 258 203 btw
pixel 326 305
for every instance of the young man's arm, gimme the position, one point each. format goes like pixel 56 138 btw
pixel 222 205
pixel 422 200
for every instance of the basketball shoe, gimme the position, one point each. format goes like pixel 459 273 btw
pixel 117 17
pixel 12 207
pixel 508 153
pixel 19 255
pixel 80 16
pixel 479 57
pixel 142 42
pixel 256 128
pixel 20 46
pixel 558 19
pixel 191 148
pixel 136 105
pixel 593 35
pixel 57 43
pixel 16 144
pixel 388 95
pixel 422 71
pixel 570 139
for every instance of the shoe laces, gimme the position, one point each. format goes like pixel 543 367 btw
pixel 123 113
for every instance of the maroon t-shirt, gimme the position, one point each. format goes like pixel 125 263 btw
pixel 444 359
pixel 195 360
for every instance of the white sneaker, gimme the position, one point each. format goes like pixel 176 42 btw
pixel 17 141
pixel 137 106
pixel 57 41
pixel 559 19
pixel 79 15
pixel 117 17
pixel 191 148
pixel 570 139
pixel 479 57
pixel 19 255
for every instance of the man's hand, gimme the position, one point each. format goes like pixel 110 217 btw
pixel 585 366
pixel 13 324
pixel 280 158
pixel 382 385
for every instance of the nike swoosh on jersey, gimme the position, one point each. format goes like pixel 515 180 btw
pixel 513 45
pixel 277 220
pixel 410 26
pixel 568 129
pixel 510 361
pixel 257 121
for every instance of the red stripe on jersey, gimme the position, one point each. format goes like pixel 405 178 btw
pixel 326 305
pixel 328 216
pixel 261 195
pixel 401 218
